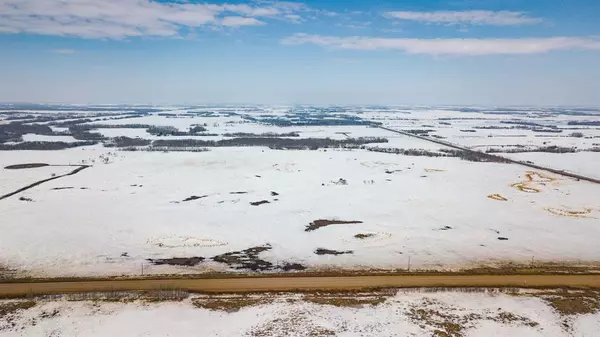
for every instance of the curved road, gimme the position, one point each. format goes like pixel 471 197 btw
pixel 266 284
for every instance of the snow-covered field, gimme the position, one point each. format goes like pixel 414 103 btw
pixel 405 313
pixel 139 209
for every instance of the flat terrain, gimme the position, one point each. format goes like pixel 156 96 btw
pixel 389 313
pixel 195 190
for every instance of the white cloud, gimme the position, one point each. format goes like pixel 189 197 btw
pixel 449 46
pixel 118 19
pixel 501 18
pixel 63 51
pixel 238 21
pixel 295 18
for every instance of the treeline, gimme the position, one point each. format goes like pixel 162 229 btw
pixel 262 135
pixel 548 149
pixel 405 152
pixel 475 156
pixel 584 123
pixel 12 132
pixel 530 124
pixel 43 145
pixel 273 143
pixel 126 142
pixel 165 149
pixel 304 120
pixel 173 131
pixel 419 132
pixel 465 155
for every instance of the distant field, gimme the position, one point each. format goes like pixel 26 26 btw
pixel 209 189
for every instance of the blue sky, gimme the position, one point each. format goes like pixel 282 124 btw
pixel 486 52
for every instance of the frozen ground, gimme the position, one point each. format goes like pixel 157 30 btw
pixel 434 210
pixel 406 313
pixel 139 209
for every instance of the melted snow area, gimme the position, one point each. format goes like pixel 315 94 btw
pixel 406 313
pixel 198 207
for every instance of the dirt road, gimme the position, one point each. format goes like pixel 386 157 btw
pixel 303 283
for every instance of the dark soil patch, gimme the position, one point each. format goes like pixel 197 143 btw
pixel 573 302
pixel 25 199
pixel 292 266
pixel 25 166
pixel 62 188
pixel 178 261
pixel 246 259
pixel 323 223
pixel 12 307
pixel 350 301
pixel 274 194
pixel 258 203
pixel 364 236
pixel 501 238
pixel 323 251
pixel 243 192
pixel 230 304
pixel 445 228
pixel 194 197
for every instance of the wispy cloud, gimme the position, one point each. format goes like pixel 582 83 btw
pixel 295 18
pixel 239 21
pixel 501 18
pixel 63 51
pixel 118 19
pixel 473 47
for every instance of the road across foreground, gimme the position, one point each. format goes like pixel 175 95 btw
pixel 287 284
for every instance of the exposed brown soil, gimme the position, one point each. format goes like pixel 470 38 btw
pixel 292 267
pixel 573 302
pixel 364 236
pixel 448 321
pixel 258 203
pixel 497 197
pixel 346 299
pixel 323 251
pixel 178 261
pixel 246 259
pixel 323 223
pixel 227 304
pixel 578 214
pixel 194 197
pixel 25 166
pixel 12 307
